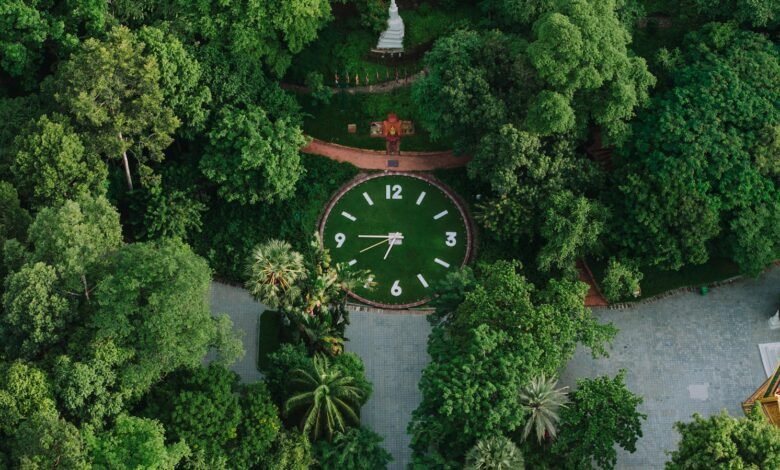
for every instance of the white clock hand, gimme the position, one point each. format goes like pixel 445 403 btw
pixel 375 244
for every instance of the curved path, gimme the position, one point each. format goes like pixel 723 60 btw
pixel 381 87
pixel 379 160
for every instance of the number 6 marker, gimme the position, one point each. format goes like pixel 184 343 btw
pixel 396 289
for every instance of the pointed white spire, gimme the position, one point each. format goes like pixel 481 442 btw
pixel 393 36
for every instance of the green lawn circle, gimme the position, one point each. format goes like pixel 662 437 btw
pixel 424 251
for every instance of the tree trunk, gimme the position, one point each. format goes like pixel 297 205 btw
pixel 86 287
pixel 127 166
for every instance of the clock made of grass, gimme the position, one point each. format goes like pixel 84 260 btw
pixel 409 230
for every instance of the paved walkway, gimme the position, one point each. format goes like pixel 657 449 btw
pixel 379 160
pixel 393 348
pixel 684 354
pixel 245 313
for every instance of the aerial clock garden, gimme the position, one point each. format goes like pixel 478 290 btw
pixel 408 230
pixel 404 234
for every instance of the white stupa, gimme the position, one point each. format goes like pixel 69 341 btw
pixel 393 36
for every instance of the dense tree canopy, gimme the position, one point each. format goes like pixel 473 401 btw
pixel 52 163
pixel 112 91
pixel 252 158
pixel 694 172
pixel 500 336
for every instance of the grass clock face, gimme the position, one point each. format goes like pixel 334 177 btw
pixel 407 230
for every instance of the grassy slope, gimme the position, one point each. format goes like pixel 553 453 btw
pixel 329 122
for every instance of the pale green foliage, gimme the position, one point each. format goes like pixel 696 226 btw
pixel 292 452
pixel 274 272
pixel 53 165
pixel 180 78
pixel 76 235
pixel 550 113
pixel 251 158
pixel 24 391
pixel 330 399
pixel 571 228
pixel 355 449
pixel 36 313
pixel 621 280
pixel 504 154
pixel 46 441
pixel 494 453
pixel 133 443
pixel 252 32
pixel 113 92
pixel 542 401
pixel 721 441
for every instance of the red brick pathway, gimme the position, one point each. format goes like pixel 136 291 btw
pixel 594 297
pixel 424 161
pixel 379 160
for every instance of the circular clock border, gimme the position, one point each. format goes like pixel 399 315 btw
pixel 362 178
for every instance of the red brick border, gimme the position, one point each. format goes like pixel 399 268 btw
pixel 362 178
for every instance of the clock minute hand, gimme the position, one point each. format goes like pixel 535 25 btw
pixel 375 244
pixel 373 236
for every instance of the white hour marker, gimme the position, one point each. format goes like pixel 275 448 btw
pixel 422 281
pixel 352 263
pixel 420 199
pixel 349 216
pixel 395 289
pixel 443 263
pixel 368 199
pixel 393 192
pixel 440 215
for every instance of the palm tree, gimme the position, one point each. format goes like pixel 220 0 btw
pixel 273 273
pixel 542 400
pixel 494 453
pixel 331 398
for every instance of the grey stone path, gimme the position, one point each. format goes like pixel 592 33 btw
pixel 686 354
pixel 393 348
pixel 245 313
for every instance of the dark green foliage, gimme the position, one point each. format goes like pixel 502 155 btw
pixel 756 13
pixel 231 230
pixel 694 172
pixel 15 114
pixel 24 392
pixel 603 413
pixel 726 442
pixel 501 335
pixel 46 441
pixel 219 419
pixel 14 220
pixel 356 449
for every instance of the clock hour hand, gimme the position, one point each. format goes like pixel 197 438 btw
pixel 373 236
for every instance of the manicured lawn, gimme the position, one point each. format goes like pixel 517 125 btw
pixel 269 337
pixel 329 122
pixel 425 238
pixel 657 281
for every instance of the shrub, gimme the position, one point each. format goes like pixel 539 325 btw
pixel 621 280
pixel 355 449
